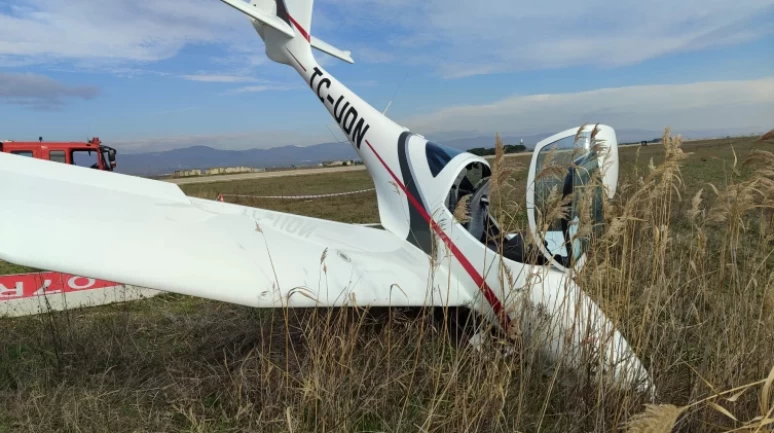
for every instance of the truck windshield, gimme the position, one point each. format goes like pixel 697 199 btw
pixel 85 158
pixel 106 159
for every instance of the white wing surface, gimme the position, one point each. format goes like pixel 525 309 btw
pixel 147 233
pixel 331 50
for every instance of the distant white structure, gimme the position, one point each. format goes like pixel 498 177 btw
pixel 337 163
pixel 217 171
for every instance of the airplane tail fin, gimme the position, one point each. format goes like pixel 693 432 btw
pixel 299 12
pixel 285 27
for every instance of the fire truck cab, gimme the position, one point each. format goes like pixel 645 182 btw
pixel 91 154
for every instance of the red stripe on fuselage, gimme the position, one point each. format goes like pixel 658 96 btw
pixel 477 278
pixel 301 30
pixel 296 59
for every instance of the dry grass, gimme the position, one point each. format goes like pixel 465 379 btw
pixel 685 267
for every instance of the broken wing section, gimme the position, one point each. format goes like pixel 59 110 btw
pixel 148 234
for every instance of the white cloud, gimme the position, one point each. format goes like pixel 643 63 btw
pixel 740 106
pixel 374 55
pixel 112 31
pixel 261 86
pixel 461 38
pixel 455 38
pixel 257 89
pixel 745 104
pixel 219 78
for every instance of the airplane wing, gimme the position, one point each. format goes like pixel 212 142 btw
pixel 149 234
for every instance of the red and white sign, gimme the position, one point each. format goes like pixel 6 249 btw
pixel 20 286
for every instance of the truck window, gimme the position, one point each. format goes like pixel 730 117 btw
pixel 106 160
pixel 22 152
pixel 57 155
pixel 85 158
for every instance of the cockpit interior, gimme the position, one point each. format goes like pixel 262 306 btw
pixel 474 181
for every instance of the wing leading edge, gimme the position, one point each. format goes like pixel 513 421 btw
pixel 149 234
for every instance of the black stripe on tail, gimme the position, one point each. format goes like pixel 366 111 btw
pixel 282 12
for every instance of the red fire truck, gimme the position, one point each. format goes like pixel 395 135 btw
pixel 91 153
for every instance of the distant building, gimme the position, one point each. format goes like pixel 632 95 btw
pixel 217 171
pixel 337 163
pixel 187 173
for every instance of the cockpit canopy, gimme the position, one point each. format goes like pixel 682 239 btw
pixel 438 156
pixel 568 169
pixel 569 172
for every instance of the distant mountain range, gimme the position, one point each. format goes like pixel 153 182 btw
pixel 166 162
pixel 157 163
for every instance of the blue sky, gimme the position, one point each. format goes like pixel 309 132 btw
pixel 153 75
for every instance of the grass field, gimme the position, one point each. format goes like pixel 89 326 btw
pixel 686 268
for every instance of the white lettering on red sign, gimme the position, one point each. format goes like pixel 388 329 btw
pixel 72 283
pixel 15 291
pixel 44 288
pixel 28 285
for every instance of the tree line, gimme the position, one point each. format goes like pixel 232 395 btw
pixel 508 148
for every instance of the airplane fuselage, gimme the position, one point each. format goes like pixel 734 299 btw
pixel 412 205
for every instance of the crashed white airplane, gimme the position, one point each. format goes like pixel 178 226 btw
pixel 59 217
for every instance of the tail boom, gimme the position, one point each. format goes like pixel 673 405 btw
pixel 373 135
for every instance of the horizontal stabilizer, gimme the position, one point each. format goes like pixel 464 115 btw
pixel 331 50
pixel 272 21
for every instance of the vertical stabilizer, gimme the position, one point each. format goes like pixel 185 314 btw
pixel 284 27
pixel 300 15
pixel 282 23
